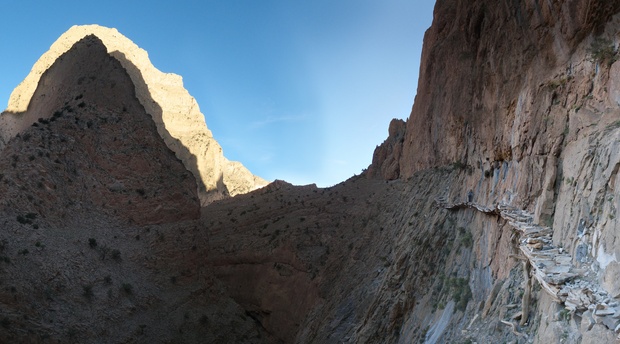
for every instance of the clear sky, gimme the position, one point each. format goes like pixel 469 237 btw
pixel 295 90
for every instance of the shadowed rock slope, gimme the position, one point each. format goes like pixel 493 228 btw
pixel 174 111
pixel 101 235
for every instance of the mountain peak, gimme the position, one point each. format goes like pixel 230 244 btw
pixel 174 111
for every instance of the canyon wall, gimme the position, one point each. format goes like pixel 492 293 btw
pixel 489 215
pixel 522 99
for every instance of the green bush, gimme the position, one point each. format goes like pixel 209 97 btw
pixel 116 254
pixel 127 288
pixel 87 291
pixel 602 51
pixel 461 293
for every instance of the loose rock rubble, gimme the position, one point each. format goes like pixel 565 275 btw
pixel 576 289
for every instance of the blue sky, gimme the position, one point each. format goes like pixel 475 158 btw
pixel 295 90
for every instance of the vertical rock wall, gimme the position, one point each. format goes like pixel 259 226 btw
pixel 522 97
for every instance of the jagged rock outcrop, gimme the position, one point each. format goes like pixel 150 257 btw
pixel 484 71
pixel 386 158
pixel 175 113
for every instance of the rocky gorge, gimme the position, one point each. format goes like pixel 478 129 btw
pixel 489 215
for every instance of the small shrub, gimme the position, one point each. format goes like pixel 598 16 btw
pixel 602 51
pixel 127 288
pixel 116 254
pixel 614 125
pixel 5 322
pixel 458 165
pixel 92 242
pixel 461 293
pixel 467 239
pixel 204 320
pixel 107 279
pixel 87 291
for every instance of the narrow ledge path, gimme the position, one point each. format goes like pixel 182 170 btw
pixel 577 289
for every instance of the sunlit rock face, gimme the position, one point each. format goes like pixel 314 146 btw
pixel 520 101
pixel 175 113
pixel 97 144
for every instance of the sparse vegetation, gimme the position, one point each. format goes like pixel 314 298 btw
pixel 564 315
pixel 87 291
pixel 603 51
pixel 560 82
pixel 204 320
pixel 115 254
pixel 466 237
pixel 127 288
pixel 26 219
pixel 461 293
pixel 614 125
pixel 424 333
pixel 459 165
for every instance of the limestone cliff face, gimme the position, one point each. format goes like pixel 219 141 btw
pixel 484 64
pixel 175 113
pixel 520 99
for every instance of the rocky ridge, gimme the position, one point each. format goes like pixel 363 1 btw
pixel 174 111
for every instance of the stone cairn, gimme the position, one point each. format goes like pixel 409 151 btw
pixel 577 289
